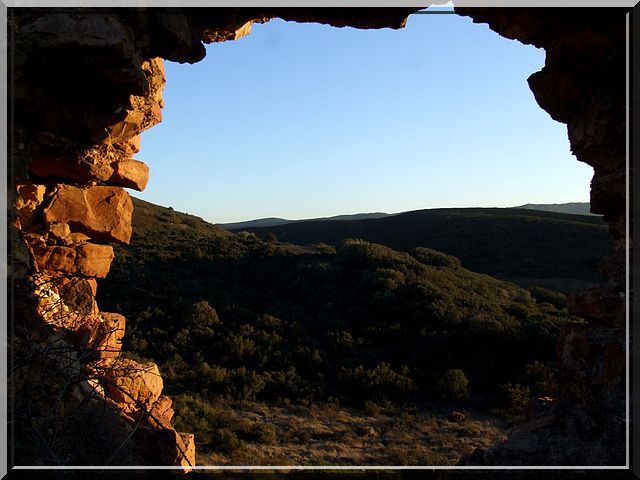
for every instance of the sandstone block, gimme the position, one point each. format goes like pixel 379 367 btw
pixel 128 127
pixel 78 295
pixel 93 260
pixel 134 385
pixel 165 445
pixel 108 336
pixel 102 213
pixel 49 166
pixel 55 258
pixel 601 306
pixel 61 232
pixel 77 237
pixel 87 260
pixel 59 158
pixel 219 35
pixel 132 145
pixel 188 449
pixel 28 199
pixel 93 284
pixel 130 173
pixel 161 413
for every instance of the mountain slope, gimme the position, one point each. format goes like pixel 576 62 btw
pixel 505 242
pixel 274 221
pixel 573 208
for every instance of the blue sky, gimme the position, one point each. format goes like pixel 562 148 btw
pixel 305 120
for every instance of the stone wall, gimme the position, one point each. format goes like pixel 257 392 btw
pixel 85 83
pixel 583 85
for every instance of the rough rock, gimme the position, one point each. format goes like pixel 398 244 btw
pixel 161 413
pixel 590 366
pixel 58 30
pixel 602 306
pixel 77 237
pixel 99 337
pixel 44 166
pixel 188 449
pixel 29 197
pixel 130 173
pixel 93 260
pixel 87 259
pixel 57 158
pixel 61 232
pixel 102 213
pixel 124 172
pixel 165 446
pixel 134 385
pixel 129 126
pixel 55 259
pixel 107 337
pixel 213 36
pixel 78 295
pixel 149 106
pixel 87 62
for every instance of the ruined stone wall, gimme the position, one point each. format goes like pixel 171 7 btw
pixel 85 83
pixel 583 85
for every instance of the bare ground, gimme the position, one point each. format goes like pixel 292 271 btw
pixel 330 435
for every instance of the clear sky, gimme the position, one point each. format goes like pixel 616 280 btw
pixel 306 120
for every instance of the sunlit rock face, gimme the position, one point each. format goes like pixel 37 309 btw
pixel 86 83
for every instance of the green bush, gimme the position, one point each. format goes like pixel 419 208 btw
pixel 535 374
pixel 372 408
pixel 454 385
pixel 244 384
pixel 264 433
pixel 435 258
pixel 201 313
pixel 542 295
pixel 515 395
pixel 355 253
pixel 379 383
pixel 225 441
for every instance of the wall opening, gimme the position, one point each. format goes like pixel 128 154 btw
pixel 354 337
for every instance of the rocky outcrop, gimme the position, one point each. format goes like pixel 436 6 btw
pixel 83 95
pixel 85 83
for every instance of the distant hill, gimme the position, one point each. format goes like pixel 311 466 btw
pixel 167 236
pixel 506 242
pixel 273 221
pixel 574 208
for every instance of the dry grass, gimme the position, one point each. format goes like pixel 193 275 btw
pixel 327 435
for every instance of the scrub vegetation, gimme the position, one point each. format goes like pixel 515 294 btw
pixel 351 354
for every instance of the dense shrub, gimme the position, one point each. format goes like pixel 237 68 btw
pixel 454 385
pixel 378 383
pixel 303 325
pixel 515 395
pixel 429 256
pixel 557 299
